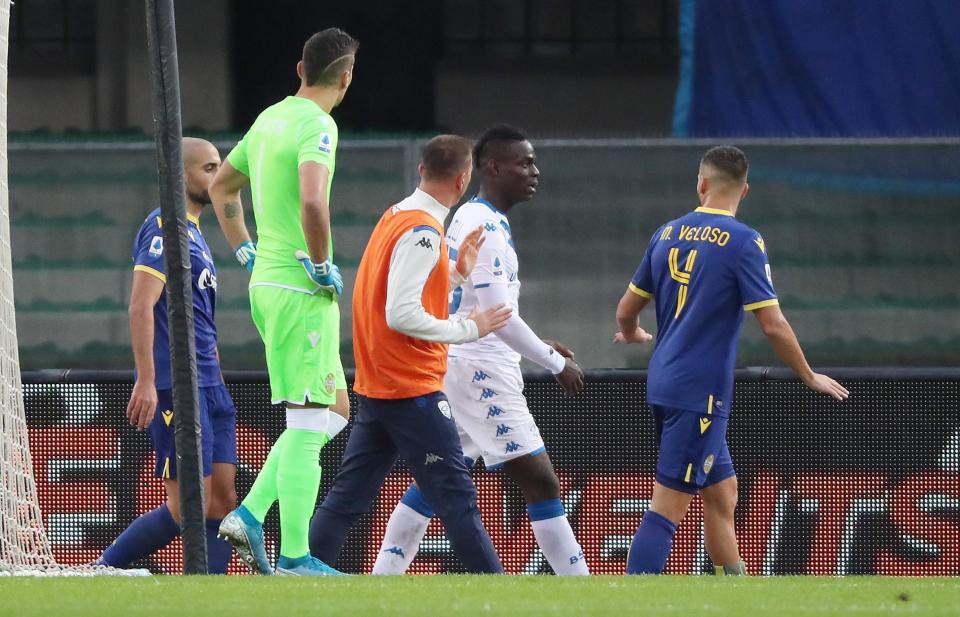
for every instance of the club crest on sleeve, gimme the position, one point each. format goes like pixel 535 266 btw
pixel 330 383
pixel 708 464
pixel 156 246
pixel 444 408
pixel 326 143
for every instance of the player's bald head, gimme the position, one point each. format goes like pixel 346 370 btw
pixel 198 151
pixel 725 168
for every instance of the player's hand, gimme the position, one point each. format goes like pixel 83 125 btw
pixel 637 336
pixel 326 275
pixel 561 349
pixel 469 249
pixel 142 405
pixel 570 378
pixel 825 385
pixel 246 254
pixel 491 319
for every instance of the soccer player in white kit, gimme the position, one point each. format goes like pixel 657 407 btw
pixel 483 382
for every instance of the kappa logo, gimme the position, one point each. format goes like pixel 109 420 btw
pixel 444 408
pixel 512 447
pixel 325 144
pixel 425 243
pixel 432 458
pixel 494 411
pixel 503 429
pixel 314 338
pixel 479 376
pixel 704 425
pixel 167 416
pixel 396 550
pixel 487 393
pixel 156 246
pixel 490 227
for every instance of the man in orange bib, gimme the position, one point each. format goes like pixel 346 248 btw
pixel 401 329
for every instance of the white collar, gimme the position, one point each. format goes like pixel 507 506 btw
pixel 420 200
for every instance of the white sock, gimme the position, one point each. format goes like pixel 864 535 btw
pixel 405 530
pixel 559 546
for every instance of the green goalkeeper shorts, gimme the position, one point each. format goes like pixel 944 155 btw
pixel 301 333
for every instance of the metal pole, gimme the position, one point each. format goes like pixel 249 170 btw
pixel 162 43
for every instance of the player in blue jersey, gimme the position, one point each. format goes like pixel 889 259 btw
pixel 151 404
pixel 703 270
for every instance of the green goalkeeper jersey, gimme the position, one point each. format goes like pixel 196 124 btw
pixel 284 136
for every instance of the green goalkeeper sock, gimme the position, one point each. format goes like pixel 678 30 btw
pixel 264 490
pixel 298 481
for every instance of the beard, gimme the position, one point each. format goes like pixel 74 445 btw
pixel 201 198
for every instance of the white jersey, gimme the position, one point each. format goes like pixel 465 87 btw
pixel 496 263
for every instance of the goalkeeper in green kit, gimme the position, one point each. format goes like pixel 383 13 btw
pixel 288 159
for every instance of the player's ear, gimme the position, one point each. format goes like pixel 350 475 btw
pixel 702 184
pixel 300 70
pixel 346 79
pixel 746 189
pixel 420 169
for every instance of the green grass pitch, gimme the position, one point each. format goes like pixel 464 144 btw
pixel 453 596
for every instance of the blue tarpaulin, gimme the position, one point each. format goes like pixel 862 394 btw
pixel 819 68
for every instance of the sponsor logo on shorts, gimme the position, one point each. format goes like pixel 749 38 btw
pixel 479 376
pixel 708 464
pixel 432 458
pixel 330 383
pixel 487 393
pixel 494 411
pixel 503 429
pixel 512 447
pixel 444 408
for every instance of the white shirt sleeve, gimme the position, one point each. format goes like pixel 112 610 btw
pixel 415 255
pixel 492 289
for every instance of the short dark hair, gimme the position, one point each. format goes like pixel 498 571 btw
pixel 494 134
pixel 446 156
pixel 729 161
pixel 326 55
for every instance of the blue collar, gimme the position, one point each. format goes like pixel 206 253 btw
pixel 480 200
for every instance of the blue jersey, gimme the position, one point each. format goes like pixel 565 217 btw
pixel 148 257
pixel 703 271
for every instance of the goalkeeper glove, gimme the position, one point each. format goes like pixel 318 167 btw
pixel 326 274
pixel 246 254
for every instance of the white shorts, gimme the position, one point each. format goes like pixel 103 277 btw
pixel 491 412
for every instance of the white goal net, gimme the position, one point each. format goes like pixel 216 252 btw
pixel 24 546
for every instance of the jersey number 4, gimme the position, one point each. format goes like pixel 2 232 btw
pixel 681 275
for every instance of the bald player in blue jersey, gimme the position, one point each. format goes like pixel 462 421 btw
pixel 703 270
pixel 151 402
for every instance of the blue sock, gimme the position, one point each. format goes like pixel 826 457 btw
pixel 651 544
pixel 218 551
pixel 146 534
pixel 415 500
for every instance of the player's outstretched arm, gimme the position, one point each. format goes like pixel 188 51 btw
pixel 628 315
pixel 225 196
pixel 143 296
pixel 783 340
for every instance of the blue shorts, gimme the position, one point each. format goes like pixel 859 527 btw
pixel 218 431
pixel 693 451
